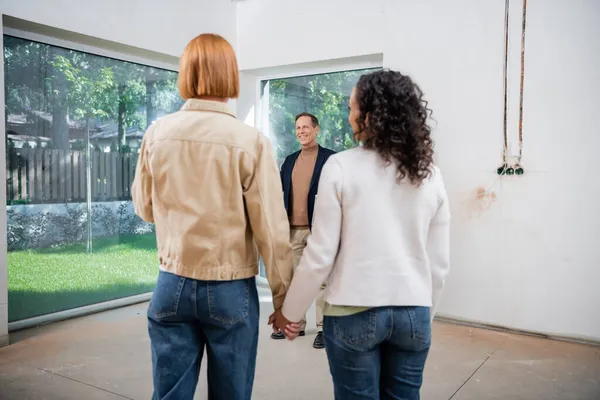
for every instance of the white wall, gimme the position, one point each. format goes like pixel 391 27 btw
pixel 155 25
pixel 280 32
pixel 530 259
pixel 556 223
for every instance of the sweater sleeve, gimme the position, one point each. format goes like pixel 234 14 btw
pixel 322 246
pixel 438 249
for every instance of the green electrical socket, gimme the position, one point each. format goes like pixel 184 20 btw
pixel 519 170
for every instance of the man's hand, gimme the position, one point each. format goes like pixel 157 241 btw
pixel 272 321
pixel 281 324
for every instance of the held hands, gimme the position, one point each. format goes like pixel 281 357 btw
pixel 280 323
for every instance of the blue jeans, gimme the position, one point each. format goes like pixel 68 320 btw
pixel 184 317
pixel 379 353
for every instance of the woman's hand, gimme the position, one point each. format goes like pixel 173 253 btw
pixel 280 323
pixel 292 330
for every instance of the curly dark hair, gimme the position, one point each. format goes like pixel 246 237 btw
pixel 393 122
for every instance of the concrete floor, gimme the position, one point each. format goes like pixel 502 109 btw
pixel 106 356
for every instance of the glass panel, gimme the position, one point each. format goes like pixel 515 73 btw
pixel 324 95
pixel 74 122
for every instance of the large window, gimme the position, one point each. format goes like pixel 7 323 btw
pixel 324 95
pixel 74 123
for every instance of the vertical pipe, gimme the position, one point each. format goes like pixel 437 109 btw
pixel 522 80
pixel 88 177
pixel 506 10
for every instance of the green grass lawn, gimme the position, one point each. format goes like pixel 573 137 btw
pixel 43 281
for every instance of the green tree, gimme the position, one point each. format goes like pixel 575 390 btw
pixel 131 96
pixel 41 80
pixel 59 99
pixel 32 87
pixel 162 94
pixel 90 91
pixel 25 86
pixel 150 77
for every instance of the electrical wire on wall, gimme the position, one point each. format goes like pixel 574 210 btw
pixel 510 166
pixel 504 152
pixel 518 167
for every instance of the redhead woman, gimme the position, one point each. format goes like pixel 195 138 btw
pixel 211 186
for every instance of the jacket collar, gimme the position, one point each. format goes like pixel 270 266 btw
pixel 207 105
pixel 297 154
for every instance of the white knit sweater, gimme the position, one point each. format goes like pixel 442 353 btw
pixel 374 241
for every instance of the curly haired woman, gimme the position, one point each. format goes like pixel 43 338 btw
pixel 381 240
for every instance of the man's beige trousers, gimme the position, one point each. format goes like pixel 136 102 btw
pixel 298 237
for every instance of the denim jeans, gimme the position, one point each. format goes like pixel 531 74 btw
pixel 186 316
pixel 379 353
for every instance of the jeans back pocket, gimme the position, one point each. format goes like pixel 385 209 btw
pixel 228 300
pixel 420 324
pixel 357 329
pixel 166 296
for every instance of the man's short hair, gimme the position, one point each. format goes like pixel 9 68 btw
pixel 314 120
pixel 208 67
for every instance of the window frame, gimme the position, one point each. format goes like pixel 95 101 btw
pixel 316 68
pixel 82 47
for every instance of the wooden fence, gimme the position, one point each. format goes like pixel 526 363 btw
pixel 36 176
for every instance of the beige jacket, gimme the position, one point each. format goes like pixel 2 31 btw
pixel 211 185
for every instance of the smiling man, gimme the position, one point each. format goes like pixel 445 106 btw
pixel 300 175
